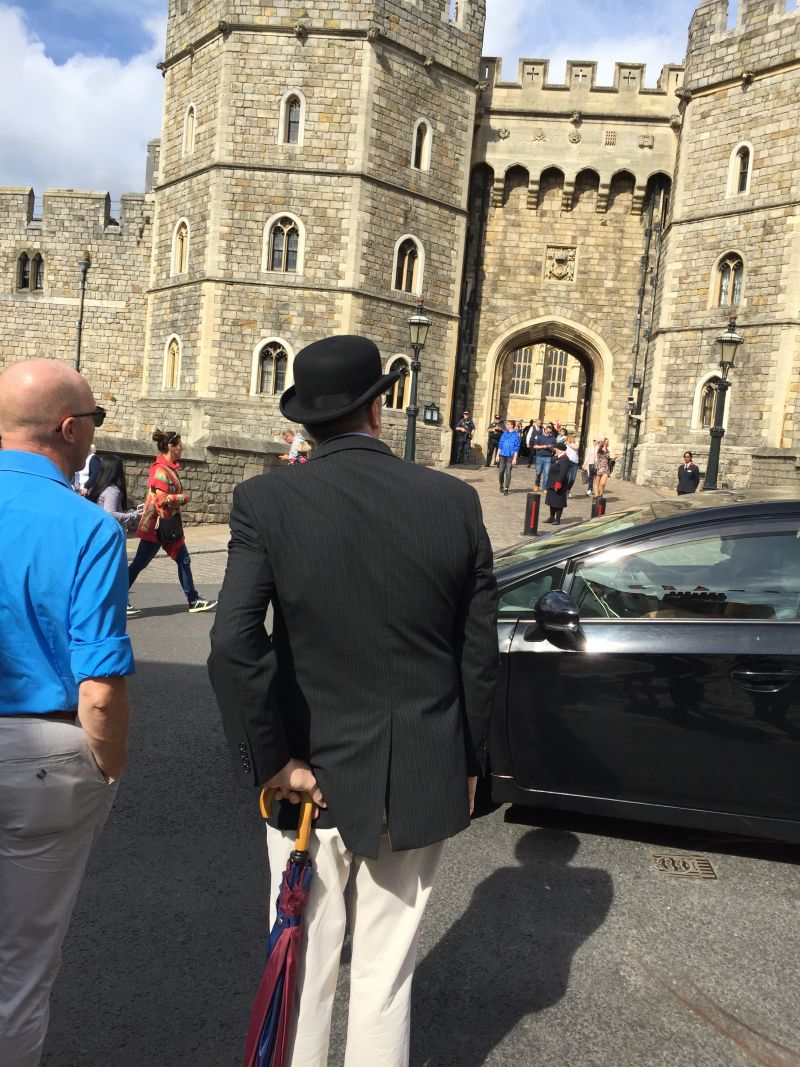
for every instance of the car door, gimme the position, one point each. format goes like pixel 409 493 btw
pixel 687 691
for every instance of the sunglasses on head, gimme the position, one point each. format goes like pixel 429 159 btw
pixel 98 417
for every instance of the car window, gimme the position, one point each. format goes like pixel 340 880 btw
pixel 738 576
pixel 524 596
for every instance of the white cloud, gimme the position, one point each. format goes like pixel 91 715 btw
pixel 82 124
pixel 607 31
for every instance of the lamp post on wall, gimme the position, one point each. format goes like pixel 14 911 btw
pixel 83 265
pixel 418 326
pixel 728 342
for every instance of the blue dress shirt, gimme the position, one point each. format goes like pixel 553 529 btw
pixel 63 589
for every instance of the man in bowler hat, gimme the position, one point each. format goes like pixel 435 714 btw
pixel 371 694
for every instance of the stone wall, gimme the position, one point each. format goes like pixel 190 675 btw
pixel 41 323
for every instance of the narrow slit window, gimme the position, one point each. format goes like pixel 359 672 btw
pixel 292 129
pixel 37 272
pixel 24 271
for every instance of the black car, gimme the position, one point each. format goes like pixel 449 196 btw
pixel 651 666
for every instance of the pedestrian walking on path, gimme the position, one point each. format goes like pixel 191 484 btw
pixel 508 452
pixel 63 698
pixel 110 490
pixel 328 703
pixel 160 525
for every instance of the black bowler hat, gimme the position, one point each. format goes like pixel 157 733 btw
pixel 333 377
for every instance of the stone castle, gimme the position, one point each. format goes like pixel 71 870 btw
pixel 579 247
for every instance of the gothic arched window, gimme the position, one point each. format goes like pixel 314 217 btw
pixel 730 274
pixel 284 242
pixel 397 397
pixel 189 123
pixel 708 399
pixel 407 270
pixel 743 169
pixel 37 272
pixel 292 128
pixel 180 248
pixel 24 271
pixel 421 151
pixel 172 364
pixel 272 364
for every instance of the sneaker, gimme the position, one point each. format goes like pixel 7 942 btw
pixel 202 605
pixel 132 612
pixel 505 491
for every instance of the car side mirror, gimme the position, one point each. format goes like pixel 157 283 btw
pixel 560 618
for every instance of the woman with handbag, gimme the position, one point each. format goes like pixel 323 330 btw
pixel 161 526
pixel 604 465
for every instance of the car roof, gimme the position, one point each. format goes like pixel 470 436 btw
pixel 691 511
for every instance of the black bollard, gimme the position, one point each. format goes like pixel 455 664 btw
pixel 531 520
pixel 598 507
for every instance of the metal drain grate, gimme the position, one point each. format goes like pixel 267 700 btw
pixel 685 867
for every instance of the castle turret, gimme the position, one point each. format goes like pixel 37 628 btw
pixel 312 180
pixel 729 250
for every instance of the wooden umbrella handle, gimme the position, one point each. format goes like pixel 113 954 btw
pixel 304 822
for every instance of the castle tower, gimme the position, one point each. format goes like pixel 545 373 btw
pixel 569 185
pixel 312 180
pixel 731 249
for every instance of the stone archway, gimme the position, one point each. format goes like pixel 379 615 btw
pixel 579 341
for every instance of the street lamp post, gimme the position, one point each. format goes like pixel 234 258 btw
pixel 418 326
pixel 83 265
pixel 728 342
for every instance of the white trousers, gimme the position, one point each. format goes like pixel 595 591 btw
pixel 53 802
pixel 388 900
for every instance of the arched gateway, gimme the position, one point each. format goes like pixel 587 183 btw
pixel 576 395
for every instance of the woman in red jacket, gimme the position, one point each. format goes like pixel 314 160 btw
pixel 160 525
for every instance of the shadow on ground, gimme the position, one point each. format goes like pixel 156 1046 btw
pixel 457 1021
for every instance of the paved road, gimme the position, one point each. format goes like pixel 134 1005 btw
pixel 550 940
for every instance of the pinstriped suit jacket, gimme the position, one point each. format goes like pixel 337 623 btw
pixel 382 663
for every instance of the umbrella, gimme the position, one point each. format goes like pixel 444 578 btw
pixel 271 1017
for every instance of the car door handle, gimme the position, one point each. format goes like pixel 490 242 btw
pixel 764 681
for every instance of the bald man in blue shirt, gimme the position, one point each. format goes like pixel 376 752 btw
pixel 64 654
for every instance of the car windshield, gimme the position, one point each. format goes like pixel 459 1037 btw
pixel 527 551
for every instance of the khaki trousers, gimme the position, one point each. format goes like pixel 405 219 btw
pixel 388 900
pixel 53 803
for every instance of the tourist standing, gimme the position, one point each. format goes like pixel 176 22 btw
pixel 160 525
pixel 496 431
pixel 508 453
pixel 688 475
pixel 63 698
pixel 604 465
pixel 573 455
pixel 590 465
pixel 373 696
pixel 544 440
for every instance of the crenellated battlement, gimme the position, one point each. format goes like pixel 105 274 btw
pixel 91 211
pixel 580 91
pixel 766 34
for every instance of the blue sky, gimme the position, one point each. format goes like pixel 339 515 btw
pixel 80 95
